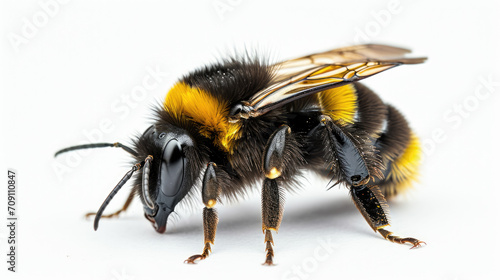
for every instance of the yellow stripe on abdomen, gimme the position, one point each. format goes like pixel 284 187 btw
pixel 404 170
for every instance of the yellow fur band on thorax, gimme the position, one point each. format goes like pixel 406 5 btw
pixel 186 103
pixel 339 103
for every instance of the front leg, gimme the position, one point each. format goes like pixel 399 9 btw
pixel 210 220
pixel 210 195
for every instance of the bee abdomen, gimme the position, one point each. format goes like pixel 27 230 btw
pixel 371 111
pixel 354 104
pixel 400 151
pixel 361 112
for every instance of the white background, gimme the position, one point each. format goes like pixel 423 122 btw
pixel 67 68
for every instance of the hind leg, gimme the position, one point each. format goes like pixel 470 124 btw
pixel 371 203
pixel 358 166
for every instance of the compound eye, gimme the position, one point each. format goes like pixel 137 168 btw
pixel 173 153
pixel 172 168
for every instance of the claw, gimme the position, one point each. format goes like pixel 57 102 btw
pixel 193 258
pixel 396 239
pixel 269 256
pixel 417 244
pixel 269 263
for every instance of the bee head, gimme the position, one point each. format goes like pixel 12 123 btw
pixel 165 178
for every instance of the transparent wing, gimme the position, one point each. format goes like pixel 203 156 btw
pixel 359 53
pixel 310 74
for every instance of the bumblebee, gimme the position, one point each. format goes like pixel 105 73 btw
pixel 242 121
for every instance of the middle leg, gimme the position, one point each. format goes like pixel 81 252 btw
pixel 282 157
pixel 272 213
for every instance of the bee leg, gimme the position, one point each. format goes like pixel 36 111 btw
pixel 210 195
pixel 272 212
pixel 372 204
pixel 396 239
pixel 117 213
pixel 358 164
pixel 210 220
pixel 280 147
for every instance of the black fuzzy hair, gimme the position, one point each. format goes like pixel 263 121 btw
pixel 234 79
pixel 392 144
pixel 396 136
pixel 371 110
